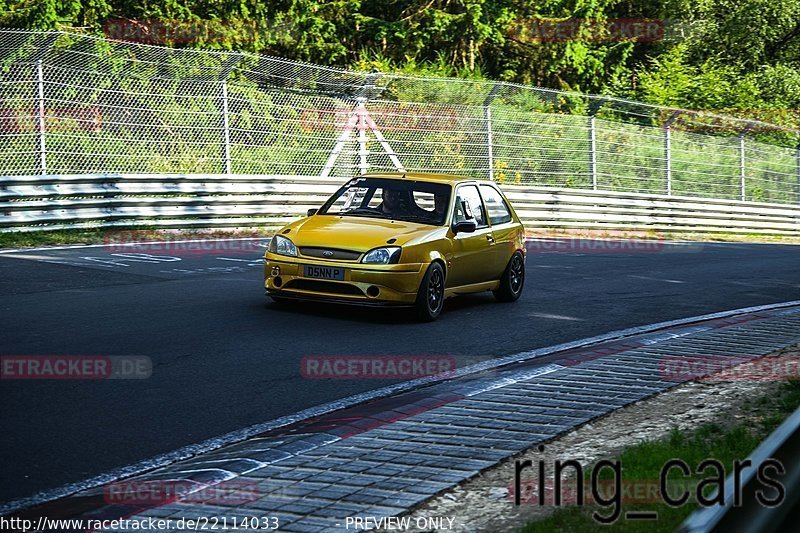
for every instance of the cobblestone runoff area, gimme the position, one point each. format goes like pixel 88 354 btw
pixel 485 503
pixel 352 468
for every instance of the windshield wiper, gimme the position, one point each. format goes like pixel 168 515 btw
pixel 420 219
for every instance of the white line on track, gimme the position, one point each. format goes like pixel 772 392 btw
pixel 115 245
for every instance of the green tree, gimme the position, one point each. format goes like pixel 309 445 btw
pixel 714 54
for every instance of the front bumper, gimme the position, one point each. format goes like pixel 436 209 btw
pixel 379 285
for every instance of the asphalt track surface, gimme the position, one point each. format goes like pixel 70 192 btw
pixel 224 358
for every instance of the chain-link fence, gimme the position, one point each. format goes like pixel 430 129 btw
pixel 75 104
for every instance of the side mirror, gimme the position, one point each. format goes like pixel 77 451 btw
pixel 311 212
pixel 465 226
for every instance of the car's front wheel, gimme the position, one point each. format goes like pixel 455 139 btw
pixel 430 297
pixel 513 279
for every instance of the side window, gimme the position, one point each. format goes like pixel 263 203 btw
pixel 496 207
pixel 469 205
pixel 424 200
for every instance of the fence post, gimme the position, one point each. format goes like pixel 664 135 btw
pixel 361 110
pixel 593 151
pixel 226 130
pixel 742 189
pixel 668 157
pixel 487 117
pixel 742 165
pixel 594 107
pixel 40 113
pixel 668 150
pixel 487 112
pixel 797 157
pixel 225 71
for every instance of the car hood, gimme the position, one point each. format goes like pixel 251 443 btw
pixel 354 233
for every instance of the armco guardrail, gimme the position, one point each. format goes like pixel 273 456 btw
pixel 541 207
pixel 191 200
pixel 782 446
pixel 58 202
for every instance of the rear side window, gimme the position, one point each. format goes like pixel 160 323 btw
pixel 496 206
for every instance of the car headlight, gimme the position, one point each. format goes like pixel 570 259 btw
pixel 386 255
pixel 282 246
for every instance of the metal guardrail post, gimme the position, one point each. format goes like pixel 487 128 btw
pixel 40 114
pixel 225 71
pixel 487 117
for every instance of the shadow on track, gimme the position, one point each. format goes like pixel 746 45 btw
pixel 380 315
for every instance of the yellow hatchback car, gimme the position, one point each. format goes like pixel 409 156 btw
pixel 401 239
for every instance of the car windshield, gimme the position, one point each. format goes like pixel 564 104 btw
pixel 395 199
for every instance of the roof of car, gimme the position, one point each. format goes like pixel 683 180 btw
pixel 423 176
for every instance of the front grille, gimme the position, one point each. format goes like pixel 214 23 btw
pixel 330 253
pixel 330 287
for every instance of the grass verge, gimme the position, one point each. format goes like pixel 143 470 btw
pixel 119 235
pixel 45 238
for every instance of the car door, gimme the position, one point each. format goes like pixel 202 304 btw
pixel 470 261
pixel 504 230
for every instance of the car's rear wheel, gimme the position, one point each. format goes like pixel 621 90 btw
pixel 430 297
pixel 513 280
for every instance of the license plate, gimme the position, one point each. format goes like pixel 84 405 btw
pixel 322 272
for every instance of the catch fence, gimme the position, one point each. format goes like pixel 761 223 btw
pixel 82 105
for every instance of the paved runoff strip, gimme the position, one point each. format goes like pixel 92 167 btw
pixel 382 458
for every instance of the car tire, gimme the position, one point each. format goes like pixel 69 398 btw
pixel 513 280
pixel 279 299
pixel 430 297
